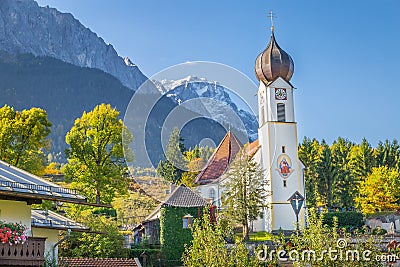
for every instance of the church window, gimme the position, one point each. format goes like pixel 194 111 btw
pixel 284 183
pixel 281 112
pixel 283 149
pixel 211 194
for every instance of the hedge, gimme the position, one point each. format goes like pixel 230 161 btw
pixel 173 236
pixel 345 219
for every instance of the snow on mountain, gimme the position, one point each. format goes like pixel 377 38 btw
pixel 220 105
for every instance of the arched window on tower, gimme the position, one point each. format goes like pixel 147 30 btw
pixel 281 112
pixel 211 194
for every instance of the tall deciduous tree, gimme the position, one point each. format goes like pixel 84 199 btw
pixel 23 137
pixel 245 191
pixel 172 168
pixel 380 191
pixel 96 161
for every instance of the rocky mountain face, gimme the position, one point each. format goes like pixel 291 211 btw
pixel 25 27
pixel 48 59
pixel 215 101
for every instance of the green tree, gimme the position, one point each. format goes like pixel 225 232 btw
pixel 106 243
pixel 343 186
pixel 96 161
pixel 380 191
pixel 134 209
pixel 208 247
pixel 310 156
pixel 388 154
pixel 361 161
pixel 312 246
pixel 244 191
pixel 171 169
pixel 23 138
pixel 327 174
pixel 195 165
pixel 196 158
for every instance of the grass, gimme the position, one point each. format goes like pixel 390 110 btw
pixel 258 236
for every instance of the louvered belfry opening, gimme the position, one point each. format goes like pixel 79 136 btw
pixel 281 112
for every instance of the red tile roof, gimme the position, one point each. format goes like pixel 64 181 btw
pixel 97 262
pixel 220 159
pixel 253 148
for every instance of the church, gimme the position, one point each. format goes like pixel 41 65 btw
pixel 276 149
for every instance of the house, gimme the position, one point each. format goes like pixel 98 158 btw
pixel 169 224
pixel 18 191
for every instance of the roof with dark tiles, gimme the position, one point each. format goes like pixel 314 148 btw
pixel 183 196
pixel 98 262
pixel 219 161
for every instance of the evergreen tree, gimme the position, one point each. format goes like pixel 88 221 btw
pixel 244 191
pixel 172 168
pixel 309 155
pixel 327 174
pixel 387 154
pixel 343 184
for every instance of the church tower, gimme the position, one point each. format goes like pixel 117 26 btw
pixel 278 138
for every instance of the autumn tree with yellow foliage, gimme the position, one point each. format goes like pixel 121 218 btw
pixel 380 191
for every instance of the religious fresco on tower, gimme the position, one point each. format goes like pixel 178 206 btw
pixel 284 164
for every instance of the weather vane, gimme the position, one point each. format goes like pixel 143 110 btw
pixel 272 16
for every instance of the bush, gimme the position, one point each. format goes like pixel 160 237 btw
pixel 379 231
pixel 318 237
pixel 154 254
pixel 345 219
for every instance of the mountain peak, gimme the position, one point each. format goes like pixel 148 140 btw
pixel 128 62
pixel 26 27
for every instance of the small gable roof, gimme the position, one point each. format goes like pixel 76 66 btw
pixel 51 220
pixel 183 196
pixel 219 161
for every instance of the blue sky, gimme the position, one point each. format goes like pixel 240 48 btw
pixel 346 53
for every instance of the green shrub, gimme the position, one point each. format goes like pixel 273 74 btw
pixel 154 254
pixel 345 219
pixel 379 231
pixel 173 236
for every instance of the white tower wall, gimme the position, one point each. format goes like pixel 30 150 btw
pixel 278 140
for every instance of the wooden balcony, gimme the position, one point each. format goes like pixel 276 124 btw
pixel 31 253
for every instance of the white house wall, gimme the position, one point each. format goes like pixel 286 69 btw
pixel 16 211
pixel 52 239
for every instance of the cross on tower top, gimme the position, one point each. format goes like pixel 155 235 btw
pixel 272 16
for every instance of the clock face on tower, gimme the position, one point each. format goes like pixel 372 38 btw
pixel 280 94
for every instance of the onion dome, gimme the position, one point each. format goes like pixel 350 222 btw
pixel 273 62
